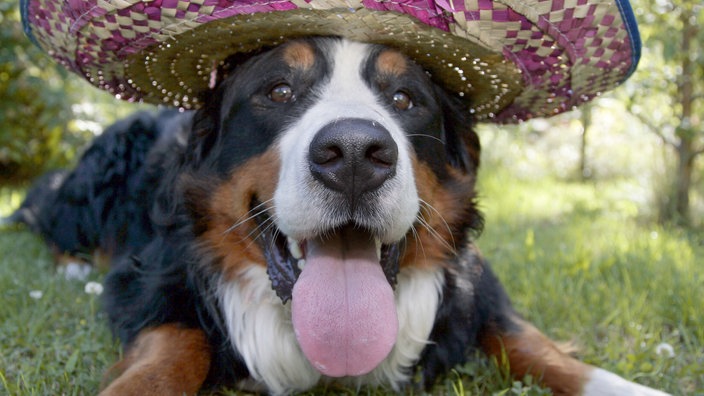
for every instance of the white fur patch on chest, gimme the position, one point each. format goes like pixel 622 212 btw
pixel 260 329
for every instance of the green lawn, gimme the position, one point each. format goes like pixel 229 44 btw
pixel 575 258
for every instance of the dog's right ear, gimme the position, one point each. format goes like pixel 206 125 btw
pixel 461 141
pixel 206 124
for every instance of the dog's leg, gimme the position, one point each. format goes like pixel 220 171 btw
pixel 163 360
pixel 527 351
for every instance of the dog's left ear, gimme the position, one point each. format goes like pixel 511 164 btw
pixel 461 142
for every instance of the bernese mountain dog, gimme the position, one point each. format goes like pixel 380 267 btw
pixel 99 208
pixel 312 223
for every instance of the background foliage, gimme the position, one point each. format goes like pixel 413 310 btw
pixel 667 97
pixel 47 113
pixel 650 130
pixel 36 112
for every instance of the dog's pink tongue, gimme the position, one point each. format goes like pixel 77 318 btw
pixel 343 307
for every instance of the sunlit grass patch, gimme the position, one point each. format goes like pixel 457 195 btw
pixel 10 198
pixel 578 261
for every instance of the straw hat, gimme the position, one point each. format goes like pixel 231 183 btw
pixel 511 59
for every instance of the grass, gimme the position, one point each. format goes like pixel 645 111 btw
pixel 55 342
pixel 575 258
pixel 580 265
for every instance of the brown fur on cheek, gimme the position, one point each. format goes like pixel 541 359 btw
pixel 443 211
pixel 230 228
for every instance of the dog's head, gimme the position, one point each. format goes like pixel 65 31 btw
pixel 344 164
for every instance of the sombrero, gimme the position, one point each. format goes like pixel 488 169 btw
pixel 511 59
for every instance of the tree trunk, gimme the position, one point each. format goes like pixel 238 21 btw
pixel 585 173
pixel 683 182
pixel 685 131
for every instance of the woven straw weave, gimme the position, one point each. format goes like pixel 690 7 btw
pixel 512 59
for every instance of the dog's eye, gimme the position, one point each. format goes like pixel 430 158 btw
pixel 402 101
pixel 281 93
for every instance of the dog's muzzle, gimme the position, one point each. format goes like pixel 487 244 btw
pixel 339 274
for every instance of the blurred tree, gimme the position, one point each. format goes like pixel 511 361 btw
pixel 35 110
pixel 667 93
pixel 585 172
pixel 48 114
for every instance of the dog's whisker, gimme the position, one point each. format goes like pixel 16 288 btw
pixel 450 245
pixel 433 233
pixel 254 234
pixel 252 214
pixel 275 235
pixel 426 136
pixel 260 230
pixel 447 226
pixel 419 243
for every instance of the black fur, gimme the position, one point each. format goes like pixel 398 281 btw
pixel 102 204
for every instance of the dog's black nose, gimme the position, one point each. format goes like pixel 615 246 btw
pixel 353 156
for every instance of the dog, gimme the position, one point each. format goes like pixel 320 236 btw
pixel 38 201
pixel 314 224
pixel 97 209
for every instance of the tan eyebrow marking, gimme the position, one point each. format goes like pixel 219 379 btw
pixel 391 62
pixel 299 55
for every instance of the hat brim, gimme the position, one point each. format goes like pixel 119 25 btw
pixel 511 60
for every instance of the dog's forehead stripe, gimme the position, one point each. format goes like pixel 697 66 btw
pixel 391 62
pixel 299 55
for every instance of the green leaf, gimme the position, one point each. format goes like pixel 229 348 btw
pixel 71 362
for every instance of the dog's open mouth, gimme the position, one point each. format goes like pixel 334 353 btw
pixel 342 301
